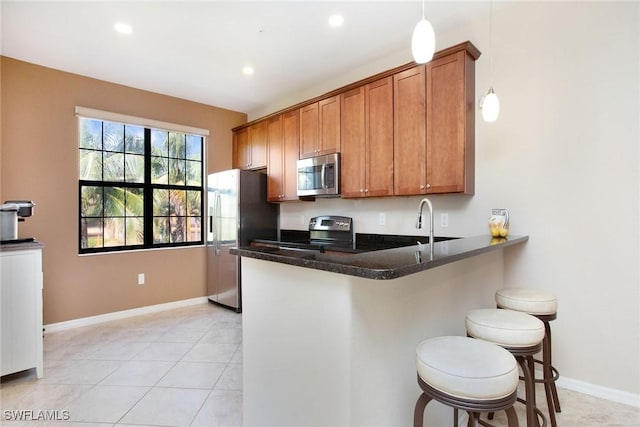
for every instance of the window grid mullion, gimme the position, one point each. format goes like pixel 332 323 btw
pixel 148 191
pixel 147 188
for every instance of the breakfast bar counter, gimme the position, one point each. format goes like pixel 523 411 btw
pixel 386 264
pixel 326 342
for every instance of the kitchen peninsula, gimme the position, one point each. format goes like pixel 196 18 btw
pixel 329 339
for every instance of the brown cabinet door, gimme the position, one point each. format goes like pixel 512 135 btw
pixel 329 125
pixel 275 156
pixel 258 142
pixel 450 114
pixel 291 126
pixel 242 149
pixel 379 138
pixel 309 134
pixel 352 157
pixel 409 134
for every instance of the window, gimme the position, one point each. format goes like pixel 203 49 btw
pixel 140 187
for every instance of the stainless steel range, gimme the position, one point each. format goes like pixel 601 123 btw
pixel 330 230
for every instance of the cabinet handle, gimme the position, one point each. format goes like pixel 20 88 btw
pixel 366 190
pixel 362 190
pixel 428 186
pixel 421 187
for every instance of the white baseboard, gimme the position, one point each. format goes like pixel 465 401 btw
pixel 601 392
pixel 93 320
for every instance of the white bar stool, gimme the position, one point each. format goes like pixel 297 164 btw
pixel 468 374
pixel 519 333
pixel 544 306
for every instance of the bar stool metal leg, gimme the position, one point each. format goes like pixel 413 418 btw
pixel 418 412
pixel 550 373
pixel 526 365
pixel 544 306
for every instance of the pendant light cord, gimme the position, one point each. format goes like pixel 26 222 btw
pixel 490 43
pixel 422 9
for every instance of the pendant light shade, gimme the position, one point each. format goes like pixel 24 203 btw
pixel 423 42
pixel 490 107
pixel 490 104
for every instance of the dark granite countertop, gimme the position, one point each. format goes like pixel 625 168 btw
pixel 383 264
pixel 294 239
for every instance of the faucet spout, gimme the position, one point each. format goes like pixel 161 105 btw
pixel 419 222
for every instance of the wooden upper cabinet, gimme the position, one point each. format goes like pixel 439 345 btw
pixel 434 126
pixel 282 169
pixel 275 156
pixel 329 125
pixel 451 124
pixel 320 128
pixel 367 140
pixel 241 149
pixel 309 135
pixel 406 131
pixel 379 137
pixel 291 129
pixel 258 142
pixel 250 147
pixel 409 132
pixel 352 155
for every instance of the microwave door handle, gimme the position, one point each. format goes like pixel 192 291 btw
pixel 323 174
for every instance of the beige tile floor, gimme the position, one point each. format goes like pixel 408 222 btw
pixel 175 368
pixel 181 367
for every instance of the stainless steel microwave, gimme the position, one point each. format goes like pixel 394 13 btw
pixel 319 176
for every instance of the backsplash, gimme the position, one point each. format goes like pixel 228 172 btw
pixel 399 214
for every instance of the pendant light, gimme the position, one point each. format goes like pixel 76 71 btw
pixel 423 42
pixel 490 103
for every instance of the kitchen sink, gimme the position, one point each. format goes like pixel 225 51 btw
pixel 377 242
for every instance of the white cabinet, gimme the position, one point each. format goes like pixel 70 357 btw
pixel 21 303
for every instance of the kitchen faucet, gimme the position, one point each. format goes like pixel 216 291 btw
pixel 419 222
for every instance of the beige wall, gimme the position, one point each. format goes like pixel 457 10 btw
pixel 39 155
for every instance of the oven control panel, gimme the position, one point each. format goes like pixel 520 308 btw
pixel 330 223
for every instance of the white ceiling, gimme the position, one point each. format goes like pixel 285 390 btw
pixel 196 50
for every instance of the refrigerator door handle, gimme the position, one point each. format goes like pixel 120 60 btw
pixel 217 212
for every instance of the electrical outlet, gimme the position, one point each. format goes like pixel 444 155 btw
pixel 444 220
pixel 141 279
pixel 381 218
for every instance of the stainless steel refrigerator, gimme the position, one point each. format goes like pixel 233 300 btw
pixel 238 212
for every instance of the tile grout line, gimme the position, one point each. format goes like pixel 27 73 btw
pixel 159 379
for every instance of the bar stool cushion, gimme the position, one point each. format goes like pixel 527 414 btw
pixel 467 368
pixel 507 328
pixel 527 300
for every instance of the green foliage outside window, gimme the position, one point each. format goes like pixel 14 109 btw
pixel 124 207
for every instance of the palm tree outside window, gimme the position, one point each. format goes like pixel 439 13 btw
pixel 139 187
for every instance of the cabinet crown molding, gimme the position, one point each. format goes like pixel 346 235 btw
pixel 466 46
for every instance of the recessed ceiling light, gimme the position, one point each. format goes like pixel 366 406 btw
pixel 123 28
pixel 247 70
pixel 336 20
